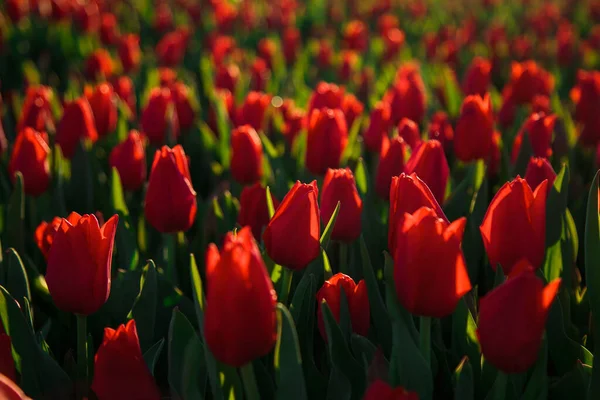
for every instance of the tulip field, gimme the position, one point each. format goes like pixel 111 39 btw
pixel 299 199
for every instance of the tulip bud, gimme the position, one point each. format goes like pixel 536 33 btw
pixel 246 155
pixel 99 65
pixel 427 246
pixel 36 112
pixel 119 367
pixel 409 131
pixel 586 96
pixel 129 52
pixel 249 329
pixel 357 302
pixel 407 96
pixel 474 130
pixel 44 234
pixel 291 43
pixel 227 77
pixel 7 362
pixel 393 40
pixel 87 17
pixel 408 193
pixel 326 140
pixel 441 130
pixel 339 186
pixel 170 204
pixel 266 50
pixel 104 109
pixel 379 390
pixel 129 158
pixel 10 391
pixel 539 170
pixel 259 75
pixel 79 263
pixel 528 80
pixel 254 110
pixel 539 128
pixel 124 89
pixel 430 164
pixel 77 123
pixel 477 78
pixel 324 55
pixel 108 29
pixel 352 109
pixel 514 226
pixel 292 236
pixel 379 126
pixel 30 157
pixel 512 318
pixel 348 65
pixel 254 211
pixel 171 48
pixel 391 163
pixel 159 116
pixel 295 121
pixel 326 95
pixel 356 35
pixel 163 17
pixel 183 107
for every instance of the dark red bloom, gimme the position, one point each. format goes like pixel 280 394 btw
pixel 30 157
pixel 259 75
pixel 104 107
pixel 99 65
pixel 352 109
pixel 477 78
pixel 528 79
pixel 326 95
pixel 409 131
pixel 129 158
pixel 356 35
pixel 538 171
pixel 474 130
pixel 586 96
pixel 79 263
pixel 326 140
pixel 240 328
pixel 44 234
pixel 129 52
pixel 227 77
pixel 339 186
pixel 171 48
pixel 292 236
pixel 380 390
pixel 266 50
pixel 170 204
pixel 254 110
pixel 182 98
pixel 539 128
pixel 77 123
pixel 10 391
pixel 246 155
pixel 441 129
pixel 378 128
pixel 407 96
pixel 36 112
pixel 391 163
pixel 291 43
pixel 120 371
pixel 253 208
pixel 429 162
pixel 109 30
pixel 357 302
pixel 124 89
pixel 159 117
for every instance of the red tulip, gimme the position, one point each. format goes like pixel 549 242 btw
pixel 99 65
pixel 171 48
pixel 326 140
pixel 170 204
pixel 539 128
pixel 477 78
pixel 108 29
pixel 160 116
pixel 129 52
pixel 326 95
pixel 379 125
pixel 126 92
pixel 10 391
pixel 430 164
pixel 391 163
pixel 441 130
pixel 352 109
pixel 356 35
pixel 104 109
pixel 183 105
pixel 77 123
pixel 30 157
pixel 253 208
pixel 227 77
pixel 79 263
pixel 538 171
pixel 240 328
pixel 514 226
pixel 512 318
pixel 129 158
pixel 291 43
pixel 339 186
pixel 474 130
pixel 7 363
pixel 393 40
pixel 409 131
pixel 380 390
pixel 36 112
pixel 586 96
pixel 357 302
pixel 17 9
pixel 259 75
pixel 292 236
pixel 87 16
pixel 163 17
pixel 120 371
pixel 254 110
pixel 426 246
pixel 348 65
pixel 528 79
pixel 324 55
pixel 407 96
pixel 44 234
pixel 295 121
pixel 266 50
pixel 387 22
pixel 495 156
pixel 246 155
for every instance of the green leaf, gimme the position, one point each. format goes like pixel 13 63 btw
pixel 152 354
pixel 144 309
pixel 15 234
pixel 537 387
pixel 464 381
pixel 361 176
pixel 339 387
pixel 182 337
pixel 194 377
pixel 380 317
pixel 14 277
pixel 117 199
pixel 464 337
pixel 288 359
pixel 363 349
pixel 329 228
pixel 270 203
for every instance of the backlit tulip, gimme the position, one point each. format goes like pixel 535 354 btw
pixel 356 35
pixel 430 164
pixel 380 390
pixel 79 263
pixel 326 95
pixel 170 204
pixel 171 48
pixel 326 140
pixel 430 272
pixel 120 371
pixel 391 163
pixel 30 157
pixel 409 131
pixel 477 77
pixel 10 391
pixel 538 171
pixel 77 123
pixel 379 125
pixel 227 77
pixel 129 158
pixel 292 236
pixel 246 155
pixel 339 186
pixel 159 117
pixel 104 108
pixel 243 327
pixel 183 105
pixel 407 97
pixel 514 226
pixel 352 109
pixel 357 302
pixel 126 92
pixel 254 211
pixel 259 75
pixel 99 65
pixel 474 130
pixel 108 29
pixel 512 318
pixel 129 52
pixel 36 112
pixel 539 128
pixel 44 234
pixel 529 79
pixel 441 130
pixel 254 110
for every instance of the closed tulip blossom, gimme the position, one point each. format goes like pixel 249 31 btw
pixel 407 96
pixel 326 140
pixel 170 204
pixel 254 110
pixel 129 52
pixel 292 236
pixel 477 78
pixel 380 390
pixel 409 131
pixel 326 95
pixel 474 130
pixel 391 163
pixel 44 234
pixel 378 127
pixel 79 263
pixel 426 246
pixel 129 158
pixel 183 105
pixel 35 112
pixel 538 129
pixel 159 117
pixel 538 171
pixel 429 162
pixel 514 226
pixel 512 318
pixel 120 371
pixel 246 155
pixel 586 97
pixel 77 123
pixel 240 322
pixel 339 186
pixel 104 107
pixel 30 157
pixel 357 302
pixel 254 211
pixel 352 109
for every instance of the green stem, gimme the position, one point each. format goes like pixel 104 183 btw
pixel 286 284
pixel 425 338
pixel 344 267
pixel 249 381
pixel 500 386
pixel 82 350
